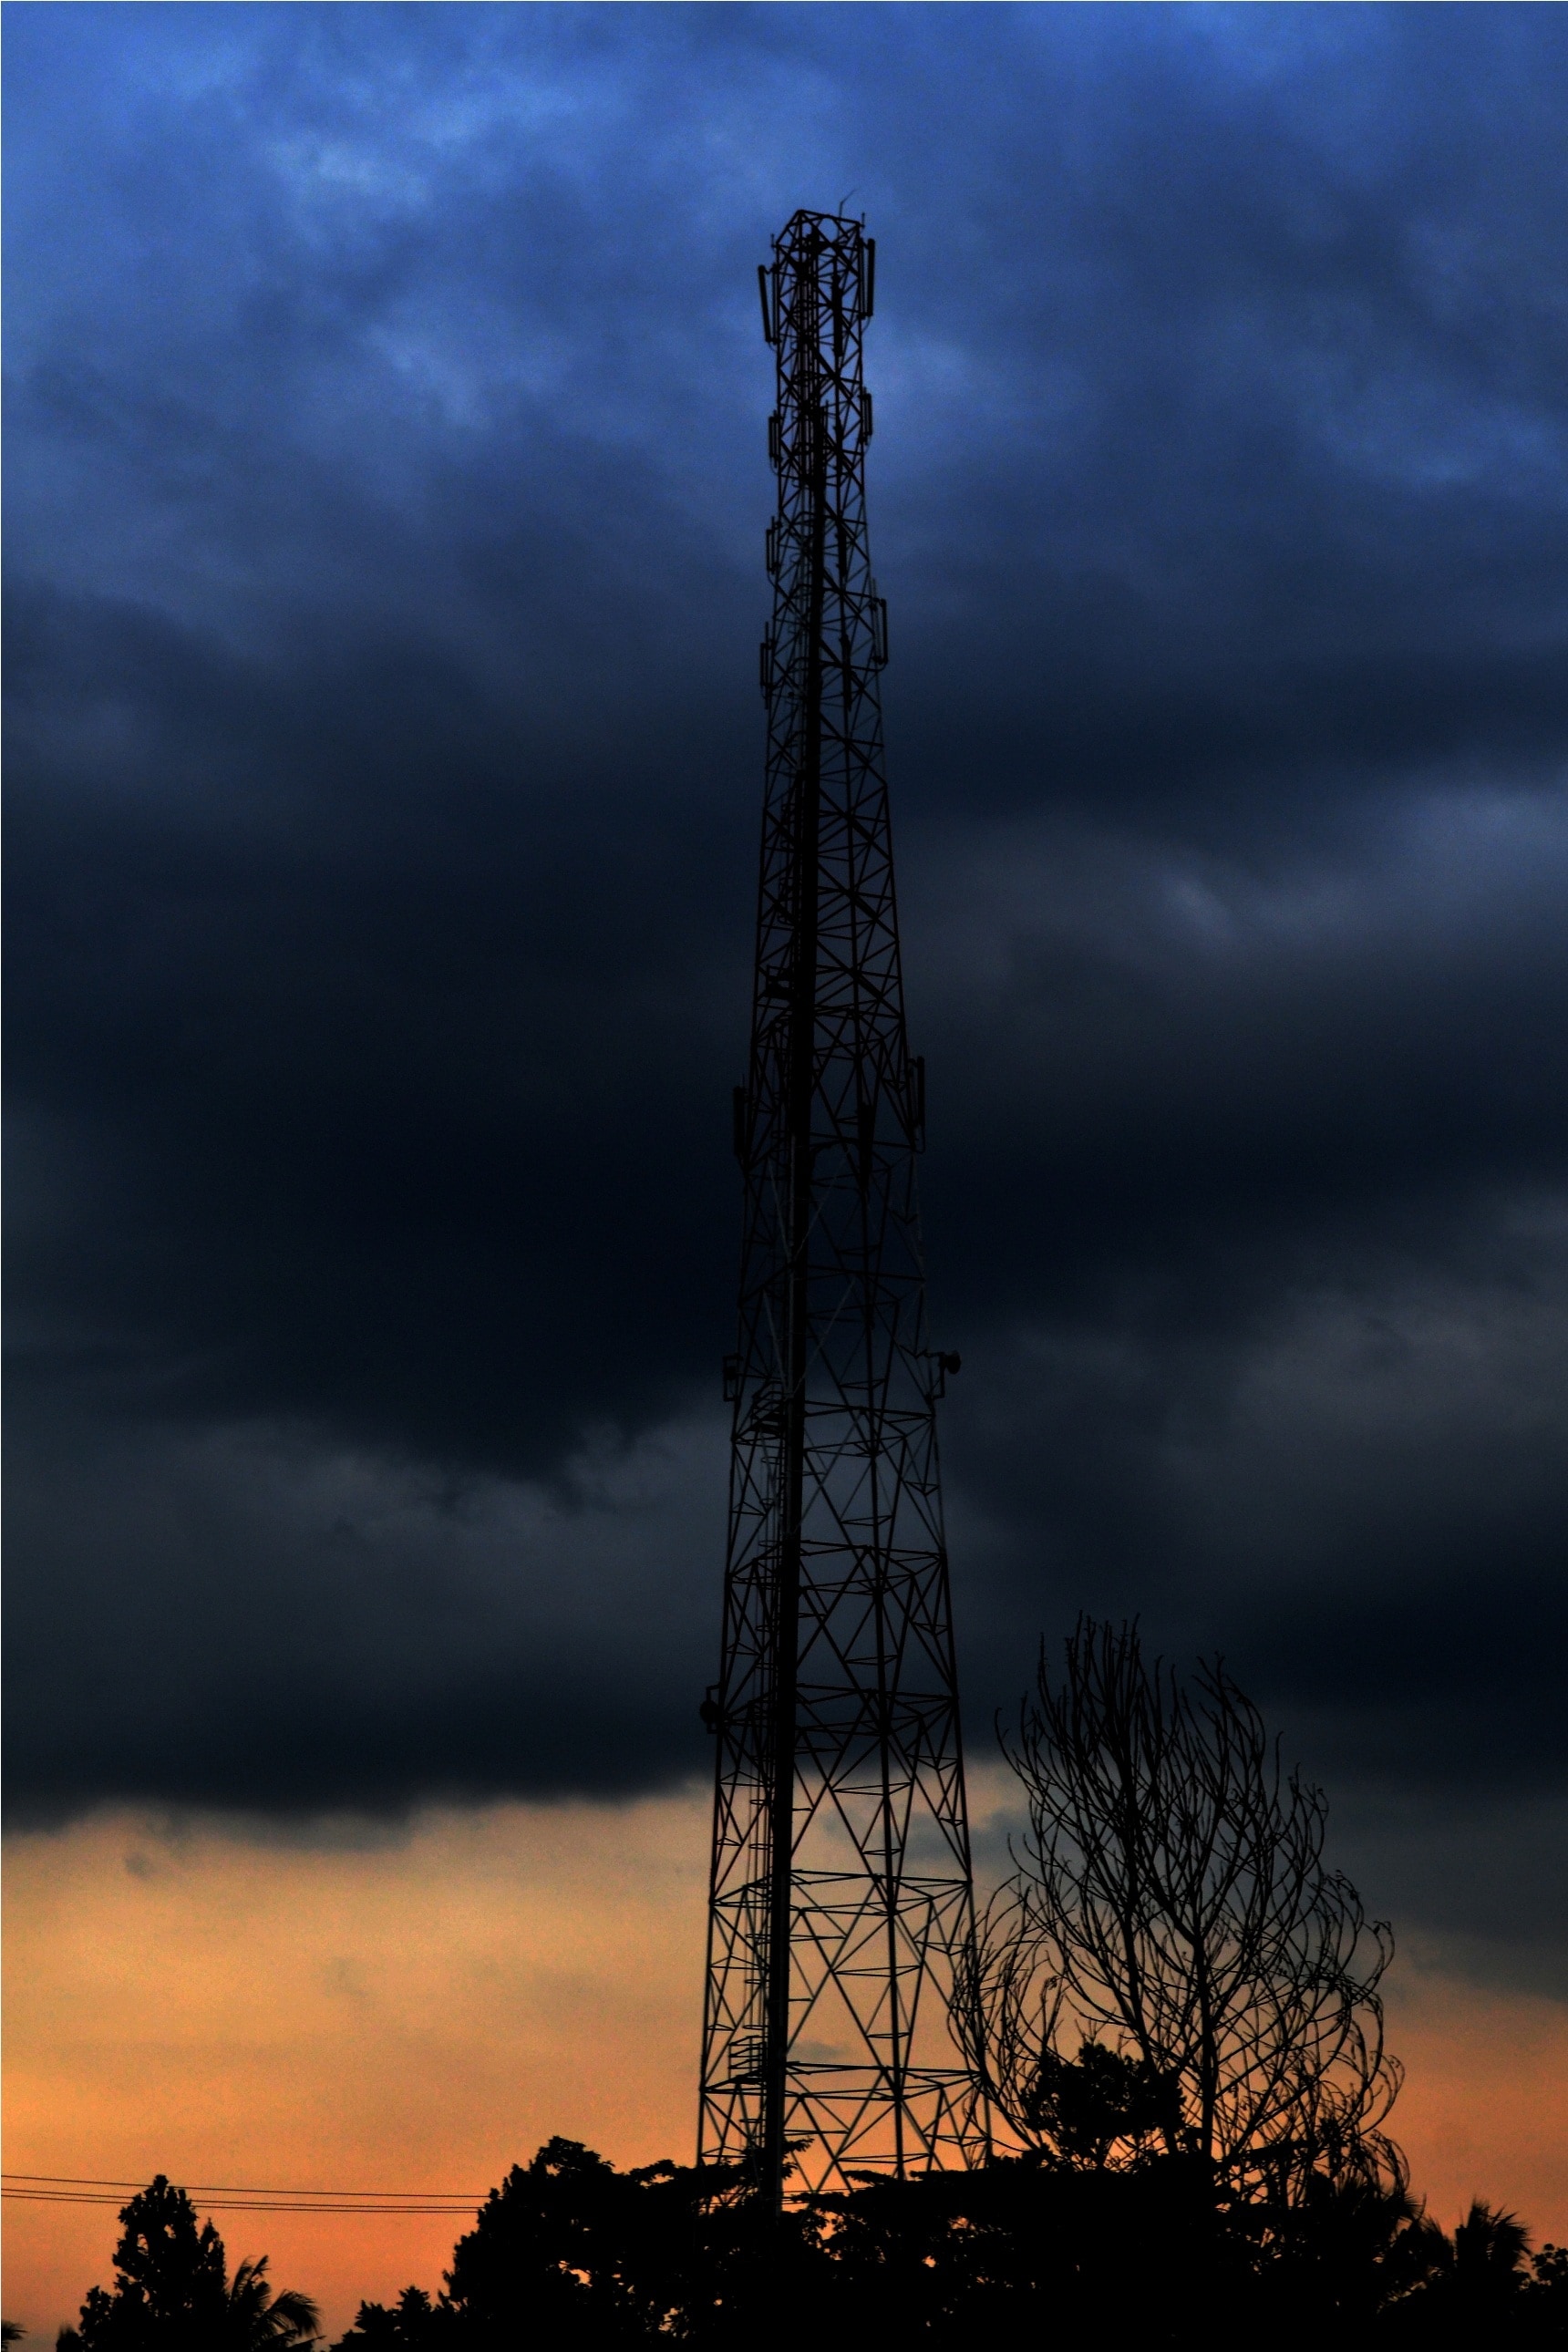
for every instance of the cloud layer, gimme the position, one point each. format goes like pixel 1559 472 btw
pixel 387 489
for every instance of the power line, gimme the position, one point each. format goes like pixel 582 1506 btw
pixel 244 2205
pixel 236 2189
pixel 69 2189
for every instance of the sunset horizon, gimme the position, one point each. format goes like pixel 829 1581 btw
pixel 226 1956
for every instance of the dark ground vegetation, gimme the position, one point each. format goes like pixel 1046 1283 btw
pixel 571 2256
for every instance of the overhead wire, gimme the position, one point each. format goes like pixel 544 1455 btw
pixel 69 2189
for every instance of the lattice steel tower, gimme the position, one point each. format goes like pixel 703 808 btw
pixel 841 1904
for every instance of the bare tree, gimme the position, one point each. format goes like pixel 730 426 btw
pixel 1172 1968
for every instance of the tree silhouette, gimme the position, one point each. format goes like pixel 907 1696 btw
pixel 1173 1919
pixel 412 2321
pixel 1544 2298
pixel 569 2251
pixel 172 2291
pixel 1089 2108
pixel 257 2319
pixel 562 2246
pixel 1476 2288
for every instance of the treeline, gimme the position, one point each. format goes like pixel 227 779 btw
pixel 571 2256
pixel 572 2253
pixel 1173 2003
pixel 569 2252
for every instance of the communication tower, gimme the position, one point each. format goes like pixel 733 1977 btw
pixel 841 1906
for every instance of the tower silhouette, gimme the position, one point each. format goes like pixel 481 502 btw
pixel 841 1908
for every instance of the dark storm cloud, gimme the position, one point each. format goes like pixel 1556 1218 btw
pixel 386 496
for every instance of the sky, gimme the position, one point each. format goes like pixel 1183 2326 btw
pixel 386 422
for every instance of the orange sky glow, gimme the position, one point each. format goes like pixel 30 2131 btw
pixel 421 2013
